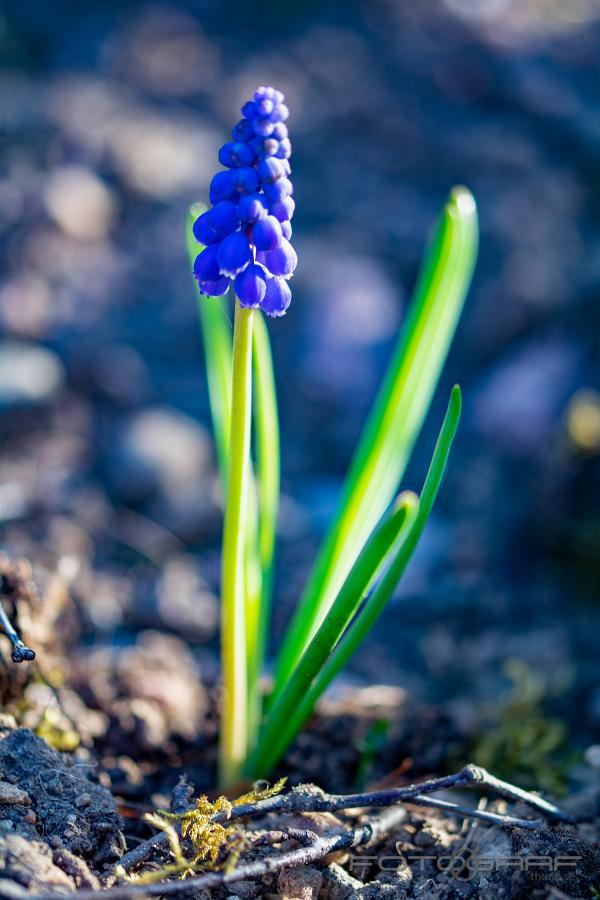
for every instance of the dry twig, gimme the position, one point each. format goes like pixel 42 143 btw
pixel 306 798
pixel 310 799
pixel 314 848
pixel 20 652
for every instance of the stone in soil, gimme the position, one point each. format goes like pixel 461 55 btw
pixel 35 866
pixel 163 458
pixel 303 883
pixel 55 796
pixel 30 375
pixel 151 691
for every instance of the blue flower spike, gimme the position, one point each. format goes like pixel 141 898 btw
pixel 247 231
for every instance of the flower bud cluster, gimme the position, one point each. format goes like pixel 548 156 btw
pixel 247 231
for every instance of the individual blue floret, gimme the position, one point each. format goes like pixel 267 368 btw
pixel 251 208
pixel 282 260
pixel 222 187
pixel 283 209
pixel 251 285
pixel 267 234
pixel 270 170
pixel 215 288
pixel 206 267
pixel 277 296
pixel 234 253
pixel 236 153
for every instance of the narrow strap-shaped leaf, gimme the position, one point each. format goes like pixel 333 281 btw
pixel 262 519
pixel 395 421
pixel 233 743
pixel 267 471
pixel 283 731
pixel 364 571
pixel 254 607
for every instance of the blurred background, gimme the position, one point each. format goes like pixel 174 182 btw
pixel 110 121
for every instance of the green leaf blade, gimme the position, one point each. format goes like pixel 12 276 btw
pixel 364 571
pixel 395 421
pixel 267 448
pixel 262 519
pixel 296 715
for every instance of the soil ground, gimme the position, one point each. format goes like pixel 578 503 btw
pixel 111 118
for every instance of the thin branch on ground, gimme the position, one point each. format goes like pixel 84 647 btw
pixel 307 798
pixel 20 652
pixel 314 848
pixel 311 799
pixel 466 812
pixel 182 795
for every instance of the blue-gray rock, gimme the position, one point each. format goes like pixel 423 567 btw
pixel 30 375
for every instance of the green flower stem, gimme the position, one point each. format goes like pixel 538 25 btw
pixel 395 421
pixel 234 719
pixel 254 601
pixel 281 730
pixel 263 499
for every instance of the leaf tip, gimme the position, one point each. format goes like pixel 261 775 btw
pixel 455 403
pixel 196 209
pixel 462 200
pixel 408 500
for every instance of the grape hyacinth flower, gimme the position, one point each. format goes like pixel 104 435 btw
pixel 247 236
pixel 247 231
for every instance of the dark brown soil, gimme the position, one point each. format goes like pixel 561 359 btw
pixel 131 720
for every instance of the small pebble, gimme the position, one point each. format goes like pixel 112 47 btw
pixel 83 800
pixel 244 890
pixel 7 721
pixel 79 202
pixel 303 883
pixel 339 884
pixel 592 756
pixel 30 375
pixel 12 795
